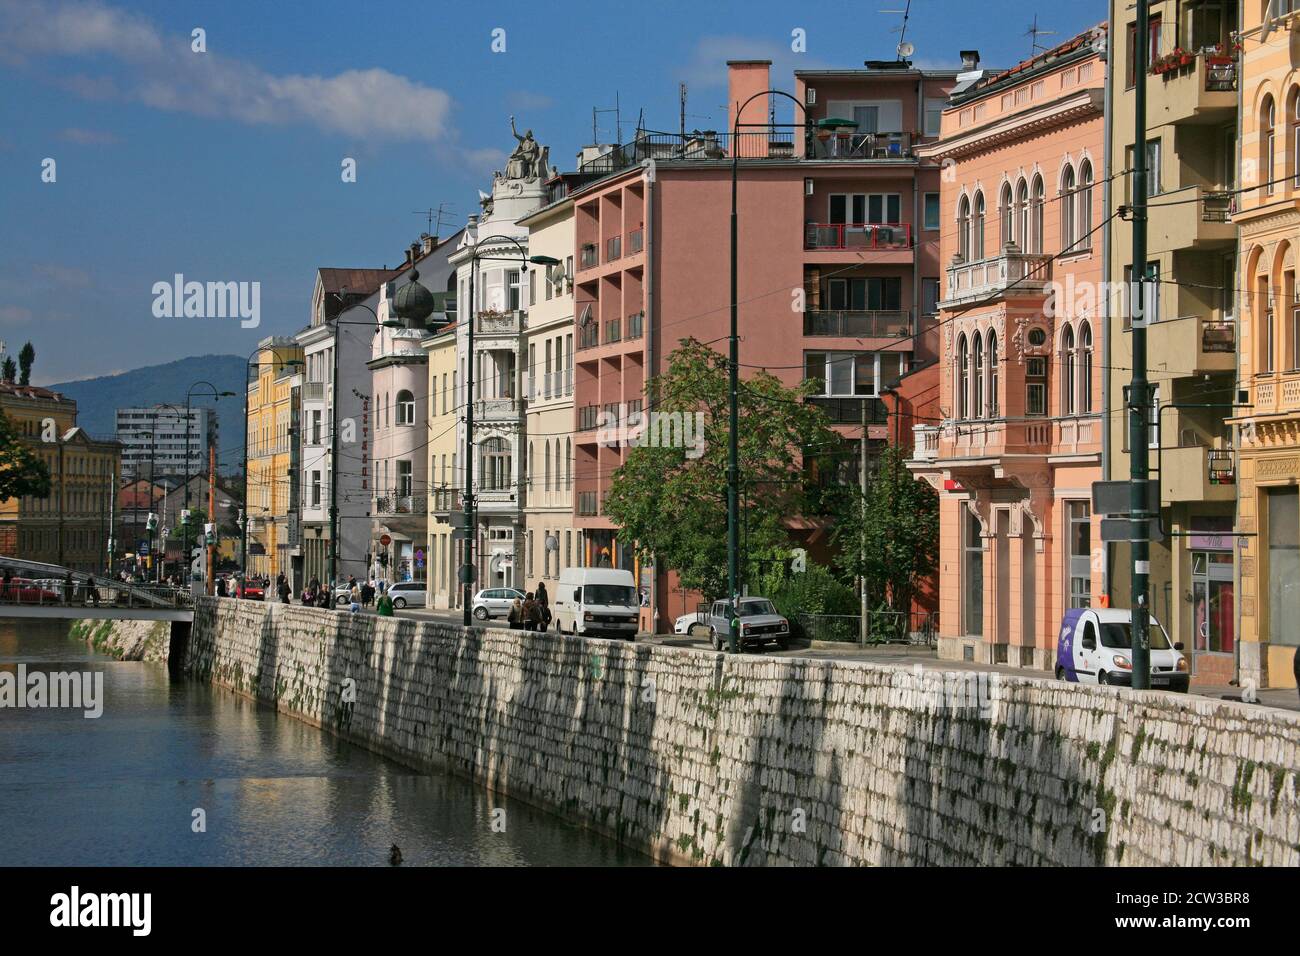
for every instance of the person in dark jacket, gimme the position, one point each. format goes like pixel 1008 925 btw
pixel 1295 668
pixel 531 612
pixel 283 590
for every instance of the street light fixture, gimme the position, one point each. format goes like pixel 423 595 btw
pixel 733 385
pixel 189 395
pixel 467 571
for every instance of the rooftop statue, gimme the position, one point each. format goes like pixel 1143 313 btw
pixel 529 160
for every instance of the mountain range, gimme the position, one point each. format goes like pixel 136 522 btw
pixel 98 399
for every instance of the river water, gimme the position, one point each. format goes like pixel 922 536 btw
pixel 122 789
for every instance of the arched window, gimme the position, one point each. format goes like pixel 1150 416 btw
pixel 1068 359
pixel 993 375
pixel 1037 225
pixel 963 228
pixel 977 377
pixel 1293 115
pixel 1267 138
pixel 963 379
pixel 1085 368
pixel 1006 211
pixel 405 408
pixel 1067 209
pixel 977 228
pixel 1022 216
pixel 1083 217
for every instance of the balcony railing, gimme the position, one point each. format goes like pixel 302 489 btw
pixel 587 256
pixel 635 324
pixel 612 331
pixel 613 248
pixel 1220 75
pixel 986 277
pixel 443 500
pixel 858 235
pixel 588 336
pixel 853 145
pixel 488 409
pixel 848 411
pixel 1217 207
pixel 398 502
pixel 313 391
pixel 491 322
pixel 634 241
pixel 1218 337
pixel 925 440
pixel 850 324
pixel 588 415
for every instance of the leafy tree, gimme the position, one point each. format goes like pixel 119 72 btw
pixel 672 501
pixel 25 359
pixel 8 371
pixel 889 536
pixel 21 470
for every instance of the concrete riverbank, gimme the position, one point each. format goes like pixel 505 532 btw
pixel 716 759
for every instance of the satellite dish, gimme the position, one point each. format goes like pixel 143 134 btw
pixel 905 49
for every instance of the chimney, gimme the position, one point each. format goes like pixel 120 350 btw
pixel 410 253
pixel 427 242
pixel 970 60
pixel 744 79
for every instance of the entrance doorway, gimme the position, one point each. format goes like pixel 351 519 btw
pixel 1213 606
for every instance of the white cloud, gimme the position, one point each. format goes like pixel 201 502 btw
pixel 162 72
pixel 14 315
pixel 88 137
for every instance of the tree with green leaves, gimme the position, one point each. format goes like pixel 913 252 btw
pixel 671 497
pixel 8 370
pixel 26 357
pixel 889 535
pixel 21 470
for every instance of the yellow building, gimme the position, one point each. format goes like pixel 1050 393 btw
pixel 446 437
pixel 269 509
pixel 72 526
pixel 1191 149
pixel 1268 216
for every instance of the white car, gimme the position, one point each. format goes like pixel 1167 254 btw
pixel 684 623
pixel 495 602
pixel 408 594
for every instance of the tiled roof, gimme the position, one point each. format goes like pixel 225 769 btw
pixel 1027 66
pixel 31 391
pixel 356 281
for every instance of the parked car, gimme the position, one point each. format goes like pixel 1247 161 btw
pixel 408 594
pixel 253 591
pixel 759 623
pixel 1095 647
pixel 597 602
pixel 493 602
pixel 686 622
pixel 27 591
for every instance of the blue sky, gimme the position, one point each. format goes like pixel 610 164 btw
pixel 225 166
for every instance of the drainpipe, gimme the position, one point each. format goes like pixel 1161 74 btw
pixel 1236 378
pixel 649 339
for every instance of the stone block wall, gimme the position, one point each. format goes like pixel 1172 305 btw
pixel 125 640
pixel 706 758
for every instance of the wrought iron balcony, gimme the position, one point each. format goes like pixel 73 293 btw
pixel 400 502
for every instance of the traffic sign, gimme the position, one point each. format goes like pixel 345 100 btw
pixel 1124 529
pixel 468 574
pixel 1113 497
pixel 385 540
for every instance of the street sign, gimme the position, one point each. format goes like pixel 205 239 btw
pixel 1112 497
pixel 468 574
pixel 1122 529
pixel 385 540
pixel 459 534
pixel 457 519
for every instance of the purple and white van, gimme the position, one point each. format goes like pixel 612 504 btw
pixel 1095 647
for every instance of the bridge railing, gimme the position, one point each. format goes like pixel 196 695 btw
pixel 105 593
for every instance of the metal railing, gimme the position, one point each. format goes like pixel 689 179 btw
pixel 858 146
pixel 883 627
pixel 858 235
pixel 105 593
pixel 857 324
pixel 400 503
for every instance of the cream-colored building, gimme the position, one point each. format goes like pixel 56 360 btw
pixel 445 480
pixel 550 539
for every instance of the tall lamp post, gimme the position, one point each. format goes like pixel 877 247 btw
pixel 467 572
pixel 189 418
pixel 153 465
pixel 733 370
pixel 243 524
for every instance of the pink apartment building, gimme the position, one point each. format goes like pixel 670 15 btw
pixel 1022 414
pixel 839 267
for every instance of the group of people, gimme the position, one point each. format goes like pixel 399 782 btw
pixel 532 612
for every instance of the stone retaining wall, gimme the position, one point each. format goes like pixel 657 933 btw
pixel 708 758
pixel 126 640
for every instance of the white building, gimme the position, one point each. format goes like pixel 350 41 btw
pixel 343 318
pixel 161 440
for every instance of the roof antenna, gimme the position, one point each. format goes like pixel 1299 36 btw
pixel 434 217
pixel 1034 33
pixel 904 49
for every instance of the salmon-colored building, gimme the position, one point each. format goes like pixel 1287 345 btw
pixel 839 268
pixel 1020 440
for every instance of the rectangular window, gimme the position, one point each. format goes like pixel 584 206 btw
pixel 1079 533
pixel 843 374
pixel 315 489
pixel 1283 566
pixel 973 578
pixel 933 116
pixel 929 296
pixel 884 207
pixel 404 478
pixel 931 211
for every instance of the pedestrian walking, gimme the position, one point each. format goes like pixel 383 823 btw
pixel 516 616
pixel 368 592
pixel 283 590
pixel 531 612
pixel 544 602
pixel 223 589
pixel 354 596
pixel 385 606
pixel 92 591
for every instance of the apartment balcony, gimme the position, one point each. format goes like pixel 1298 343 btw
pixel 1190 219
pixel 925 443
pixel 313 391
pixel 848 411
pixel 443 501
pixel 863 325
pixel 1277 392
pixel 587 504
pixel 1195 473
pixel 493 324
pixel 400 502
pixel 852 146
pixel 1193 88
pixel 1194 344
pixel 488 410
pixel 994 437
pixel 858 236
pixel 987 278
pixel 496 501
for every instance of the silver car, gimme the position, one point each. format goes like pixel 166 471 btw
pixel 495 602
pixel 759 623
pixel 408 593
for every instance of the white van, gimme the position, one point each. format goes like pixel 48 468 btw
pixel 596 602
pixel 1094 647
